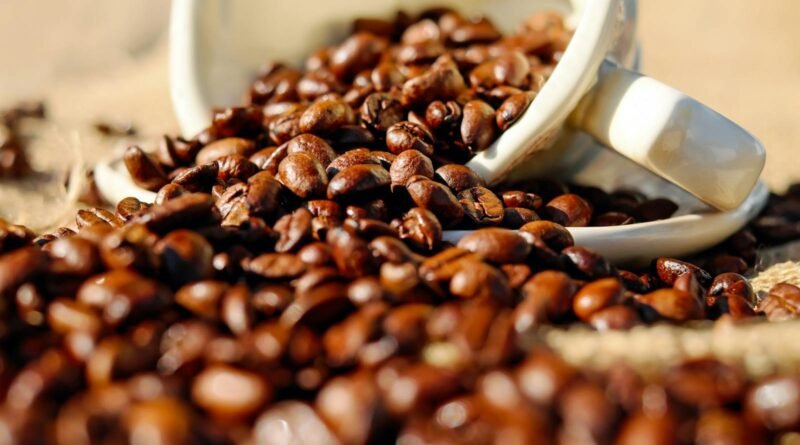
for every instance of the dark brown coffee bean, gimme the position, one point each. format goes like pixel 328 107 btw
pixel 614 318
pixel 380 111
pixel 587 413
pixel 418 386
pixel 781 303
pixel 705 384
pixel 392 250
pixel 350 253
pixel 202 297
pixel 365 290
pixel 481 206
pixel 443 82
pixel 343 341
pixel 144 171
pixel 459 177
pixel 497 245
pixel 294 229
pixel 359 52
pixel 318 83
pixel 516 217
pixel 613 219
pixel 230 393
pixel 236 310
pixel 478 128
pixel 510 68
pixel 188 210
pixel 350 158
pixel 437 198
pixel 774 403
pixel 73 256
pixel 266 160
pixel 547 296
pixel 284 127
pixel 407 135
pixel 512 108
pixel 443 116
pixel 128 208
pixel 421 228
pixel 587 263
pixel 358 179
pixel 320 305
pixel 225 147
pixel 185 256
pixel 669 269
pixel 596 296
pixel 13 236
pixel 170 191
pixel 543 377
pixel 476 279
pixel 518 198
pixel 479 31
pixel 731 283
pixel 303 175
pixel 673 304
pixel 313 146
pixel 655 209
pixel 721 264
pixel 641 427
pixel 275 266
pixel 238 121
pixel 122 295
pixel 569 210
pixel 20 266
pixel 410 163
pixel 325 116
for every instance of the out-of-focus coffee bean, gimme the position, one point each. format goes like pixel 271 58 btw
pixel 437 198
pixel 421 227
pixel 66 316
pixel 418 386
pixel 20 266
pixel 642 428
pixel 655 209
pixel 781 303
pixel 73 256
pixel 774 403
pixel 358 52
pixel 343 341
pixel 318 306
pixel 547 296
pixel 543 376
pixel 617 318
pixel 721 264
pixel 236 310
pixel 303 175
pixel 275 266
pixel 163 420
pixel 516 217
pixel 202 297
pixel 121 294
pixel 127 208
pixel 705 384
pixel 670 269
pixel 292 423
pixel 183 211
pixel 477 279
pixel 230 393
pixel 587 413
pixel 185 256
pixel 720 426
pixel 170 191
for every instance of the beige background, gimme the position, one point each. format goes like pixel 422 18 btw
pixel 742 57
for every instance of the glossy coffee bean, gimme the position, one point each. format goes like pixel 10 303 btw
pixel 547 296
pixel 774 403
pixel 596 296
pixel 313 146
pixel 568 210
pixel 410 163
pixel 547 234
pixel 512 108
pixel 225 147
pixel 781 303
pixel 458 177
pixel 615 318
pixel 325 116
pixel 303 175
pixel 670 269
pixel 358 179
pixel 185 256
pixel 407 135
pixel 672 304
pixel 496 245
pixel 380 111
pixel 476 279
pixel 443 82
pixel 482 206
pixel 437 198
pixel 478 127
pixel 230 393
pixel 144 171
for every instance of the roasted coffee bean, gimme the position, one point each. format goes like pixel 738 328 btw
pixel 543 377
pixel 421 228
pixel 596 296
pixel 225 147
pixel 350 253
pixel 616 318
pixel 587 263
pixel 442 82
pixel 649 428
pixel 669 269
pixel 13 236
pixel 121 295
pixel 20 266
pixel 407 164
pixel 380 111
pixel 235 167
pixel 230 393
pixel 350 158
pixel 443 117
pixel 66 316
pixel 325 116
pixel 263 190
pixel 459 177
pixel 358 179
pixel 497 245
pixel 672 304
pixel 721 264
pixel 479 31
pixel 547 296
pixel 705 384
pixel 73 256
pixel 170 191
pixel 549 234
pixel 188 210
pixel 359 52
pixel 316 84
pixel 775 403
pixel 144 171
pixel 517 198
pixel 313 146
pixel 516 217
pixel 236 311
pixel 588 413
pixel 293 422
pixel 478 128
pixel 202 297
pixel 128 208
pixel 730 284
pixel 319 306
pixel 512 108
pixel 720 426
pixel 476 279
pixel 482 206
pixel 437 198
pixel 303 175
pixel 569 210
pixel 418 386
pixel 405 135
pixel 284 127
pixel 275 266
pixel 344 341
pixel 294 229
pixel 613 219
pixel 185 256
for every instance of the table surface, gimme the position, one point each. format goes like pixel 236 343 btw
pixel 738 56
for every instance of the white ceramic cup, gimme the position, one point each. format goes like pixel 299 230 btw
pixel 217 46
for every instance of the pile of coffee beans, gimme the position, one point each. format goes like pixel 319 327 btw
pixel 13 159
pixel 290 284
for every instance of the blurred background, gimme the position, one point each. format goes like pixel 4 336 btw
pixel 106 61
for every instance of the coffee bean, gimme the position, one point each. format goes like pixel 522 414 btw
pixel 775 403
pixel 459 177
pixel 569 210
pixel 127 208
pixel 478 129
pixel 476 279
pixel 407 164
pixel 730 284
pixel 20 266
pixel 318 306
pixel 781 303
pixel 294 422
pixel 313 146
pixel 325 116
pixel 673 304
pixel 303 175
pixel 596 296
pixel 587 263
pixel 481 206
pixel 443 117
pixel 202 297
pixel 437 198
pixel 144 171
pixel 721 264
pixel 230 393
pixel 188 210
pixel 359 52
pixel 655 209
pixel 66 316
pixel 344 341
pixel 294 229
pixel 358 179
pixel 547 296
pixel 185 256
pixel 617 318
pixel 406 135
pixel 225 147
pixel 670 269
pixel 512 109
pixel 122 295
pixel 170 191
pixel 443 82
pixel 705 384
pixel 275 266
pixel 720 426
pixel 380 111
pixel 235 167
pixel 543 376
pixel 350 253
pixel 647 428
pixel 497 245
pixel 421 228
pixel 481 31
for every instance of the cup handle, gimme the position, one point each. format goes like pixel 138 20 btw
pixel 672 135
